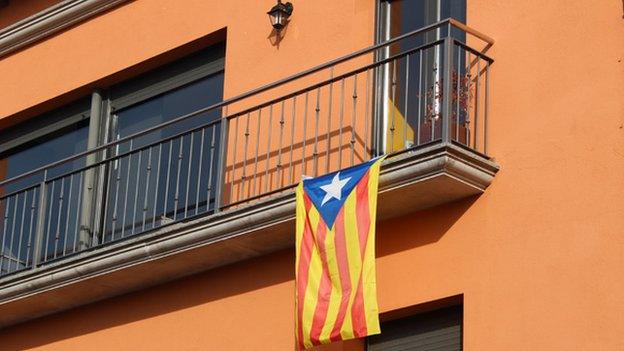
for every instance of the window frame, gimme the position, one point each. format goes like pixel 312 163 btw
pixel 98 106
pixel 15 137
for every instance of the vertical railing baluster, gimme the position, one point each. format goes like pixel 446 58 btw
pixel 291 170
pixel 353 120
pixel 40 221
pixel 421 98
pixel 255 172
pixel 176 198
pixel 305 134
pixel 199 171
pixel 316 131
pixel 280 174
pixel 468 100
pixel 476 116
pixel 341 122
pixel 447 89
pixel 148 175
pixel 393 105
pixel 79 212
pixel 329 115
pixel 68 214
pixel 435 90
pixel 188 173
pixel 486 107
pixel 222 162
pixel 212 153
pixel 118 162
pixel 164 215
pixel 4 233
pixel 245 154
pixel 47 234
pixel 458 95
pixel 11 241
pixel 102 200
pixel 268 150
pixel 406 106
pixel 234 161
pixel 367 115
pixel 29 243
pixel 136 191
pixel 97 236
pixel 57 233
pixel 21 235
pixel 156 186
pixel 125 202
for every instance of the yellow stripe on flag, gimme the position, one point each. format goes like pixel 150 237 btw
pixel 300 211
pixel 336 293
pixel 368 275
pixel 314 281
pixel 354 258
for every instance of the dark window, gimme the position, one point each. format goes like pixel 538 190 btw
pixel 169 173
pixel 47 139
pixel 408 102
pixel 52 137
pixel 440 330
pixel 403 16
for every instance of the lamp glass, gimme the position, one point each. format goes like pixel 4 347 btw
pixel 279 14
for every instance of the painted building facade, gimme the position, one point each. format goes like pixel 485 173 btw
pixel 148 152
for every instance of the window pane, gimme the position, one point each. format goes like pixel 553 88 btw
pixel 19 211
pixel 41 152
pixel 184 100
pixel 413 100
pixel 171 179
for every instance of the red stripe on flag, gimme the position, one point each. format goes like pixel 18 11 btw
pixel 343 270
pixel 358 314
pixel 304 265
pixel 325 287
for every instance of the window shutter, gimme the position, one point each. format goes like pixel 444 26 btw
pixel 440 330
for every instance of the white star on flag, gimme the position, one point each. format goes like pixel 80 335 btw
pixel 333 190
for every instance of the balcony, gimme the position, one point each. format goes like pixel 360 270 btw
pixel 153 207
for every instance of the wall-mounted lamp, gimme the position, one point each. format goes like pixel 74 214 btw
pixel 279 14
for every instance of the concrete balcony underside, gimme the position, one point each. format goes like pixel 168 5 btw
pixel 410 181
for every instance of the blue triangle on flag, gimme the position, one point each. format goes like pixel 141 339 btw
pixel 329 192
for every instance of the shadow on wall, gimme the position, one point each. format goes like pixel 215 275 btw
pixel 170 297
pixel 420 228
pixel 403 233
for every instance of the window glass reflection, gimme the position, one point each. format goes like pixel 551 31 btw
pixel 174 178
pixel 19 200
pixel 412 99
pixel 39 153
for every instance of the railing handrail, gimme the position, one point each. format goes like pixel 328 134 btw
pixel 275 84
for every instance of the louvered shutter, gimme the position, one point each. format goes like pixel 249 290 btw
pixel 440 330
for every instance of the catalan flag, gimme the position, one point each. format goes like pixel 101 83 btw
pixel 336 295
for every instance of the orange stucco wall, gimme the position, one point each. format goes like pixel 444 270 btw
pixel 538 258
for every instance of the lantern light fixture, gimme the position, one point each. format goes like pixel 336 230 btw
pixel 279 14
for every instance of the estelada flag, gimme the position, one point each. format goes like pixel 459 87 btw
pixel 336 293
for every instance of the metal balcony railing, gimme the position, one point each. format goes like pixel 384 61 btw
pixel 427 86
